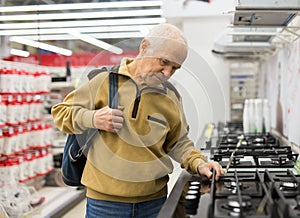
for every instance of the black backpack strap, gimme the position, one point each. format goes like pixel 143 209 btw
pixel 113 90
pixel 113 87
pixel 95 72
pixel 112 98
pixel 112 83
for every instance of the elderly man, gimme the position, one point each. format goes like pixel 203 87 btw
pixel 127 167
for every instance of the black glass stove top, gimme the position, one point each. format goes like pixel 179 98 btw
pixel 253 151
pixel 237 194
pixel 259 183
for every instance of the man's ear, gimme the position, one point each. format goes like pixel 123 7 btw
pixel 144 45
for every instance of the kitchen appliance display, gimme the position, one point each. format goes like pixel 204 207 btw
pixel 261 181
pixel 262 151
pixel 256 194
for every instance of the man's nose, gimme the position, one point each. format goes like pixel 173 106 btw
pixel 168 71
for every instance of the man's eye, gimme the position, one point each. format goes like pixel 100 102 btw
pixel 164 62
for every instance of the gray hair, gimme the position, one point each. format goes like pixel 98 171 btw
pixel 165 40
pixel 167 31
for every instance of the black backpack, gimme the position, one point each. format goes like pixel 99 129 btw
pixel 77 145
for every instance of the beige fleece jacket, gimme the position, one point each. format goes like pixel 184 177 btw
pixel 133 164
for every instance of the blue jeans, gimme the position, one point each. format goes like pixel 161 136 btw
pixel 108 209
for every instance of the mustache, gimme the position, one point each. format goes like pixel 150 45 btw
pixel 159 75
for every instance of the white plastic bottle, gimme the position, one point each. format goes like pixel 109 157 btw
pixel 258 118
pixel 266 116
pixel 246 120
pixel 251 116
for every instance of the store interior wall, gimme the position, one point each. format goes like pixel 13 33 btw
pixel 280 85
pixel 204 85
pixel 208 29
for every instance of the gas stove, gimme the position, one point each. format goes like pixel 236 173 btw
pixel 237 194
pixel 253 156
pixel 237 150
pixel 258 194
pixel 260 180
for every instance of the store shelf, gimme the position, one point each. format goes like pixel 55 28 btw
pixel 62 85
pixel 59 200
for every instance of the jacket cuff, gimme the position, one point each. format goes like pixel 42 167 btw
pixel 197 162
pixel 87 119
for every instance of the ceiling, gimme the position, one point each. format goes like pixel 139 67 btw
pixel 259 29
pixel 64 23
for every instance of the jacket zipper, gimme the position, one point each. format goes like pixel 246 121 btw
pixel 136 103
pixel 138 99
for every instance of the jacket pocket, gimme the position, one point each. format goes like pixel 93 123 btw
pixel 157 120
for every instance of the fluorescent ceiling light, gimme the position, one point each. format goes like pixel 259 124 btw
pixel 116 35
pixel 74 6
pixel 82 15
pixel 41 45
pixel 18 52
pixel 57 24
pixel 253 33
pixel 99 29
pixel 145 29
pixel 96 42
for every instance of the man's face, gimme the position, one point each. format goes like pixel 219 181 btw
pixel 160 62
pixel 155 71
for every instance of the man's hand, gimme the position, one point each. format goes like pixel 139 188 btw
pixel 207 168
pixel 108 119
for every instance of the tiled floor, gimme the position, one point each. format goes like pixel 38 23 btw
pixel 79 210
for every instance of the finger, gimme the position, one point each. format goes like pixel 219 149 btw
pixel 208 173
pixel 219 171
pixel 116 119
pixel 222 171
pixel 117 112
pixel 217 174
pixel 120 107
pixel 117 125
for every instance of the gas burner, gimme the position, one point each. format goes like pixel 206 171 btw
pixel 288 186
pixel 258 140
pixel 236 161
pixel 244 142
pixel 230 140
pixel 260 145
pixel 280 160
pixel 233 201
pixel 233 205
pixel 233 186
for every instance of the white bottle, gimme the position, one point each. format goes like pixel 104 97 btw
pixel 258 118
pixel 266 116
pixel 246 123
pixel 251 116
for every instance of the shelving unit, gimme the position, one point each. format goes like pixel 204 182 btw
pixel 27 142
pixel 243 85
pixel 259 29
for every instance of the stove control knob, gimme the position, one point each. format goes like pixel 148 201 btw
pixel 191 203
